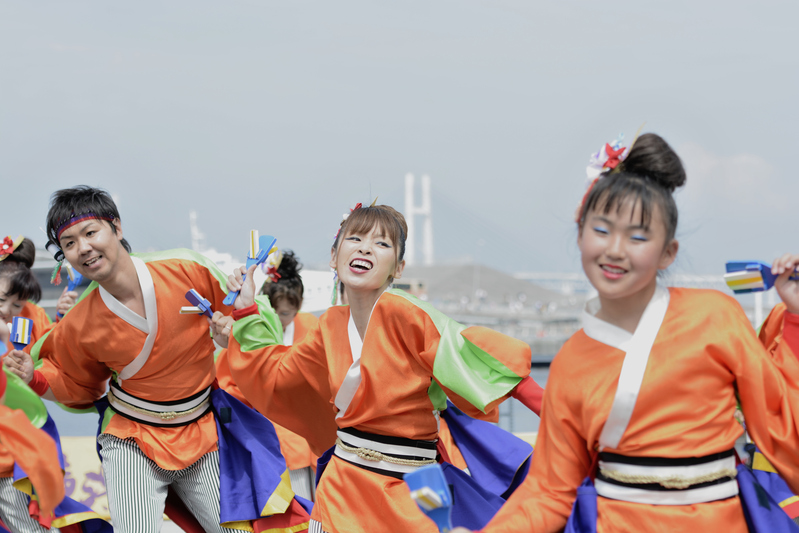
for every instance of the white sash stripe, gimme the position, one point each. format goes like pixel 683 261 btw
pixel 143 404
pixel 633 369
pixel 118 407
pixel 391 449
pixel 666 472
pixel 711 493
pixel 382 465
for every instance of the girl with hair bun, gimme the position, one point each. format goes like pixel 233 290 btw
pixel 19 288
pixel 19 293
pixel 381 369
pixel 284 289
pixel 641 401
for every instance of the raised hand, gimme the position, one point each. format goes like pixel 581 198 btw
pixel 788 290
pixel 246 287
pixel 66 301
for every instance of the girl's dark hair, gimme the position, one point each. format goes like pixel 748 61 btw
pixel 16 268
pixel 21 280
pixel 649 175
pixel 289 285
pixel 383 217
pixel 66 203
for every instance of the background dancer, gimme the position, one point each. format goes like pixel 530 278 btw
pixel 675 449
pixel 385 363
pixel 36 452
pixel 19 289
pixel 19 292
pixel 285 291
pixel 161 422
pixel 771 335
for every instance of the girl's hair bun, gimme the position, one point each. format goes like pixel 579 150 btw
pixel 289 284
pixel 653 158
pixel 25 254
pixel 289 268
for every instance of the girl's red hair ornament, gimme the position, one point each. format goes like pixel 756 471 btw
pixel 608 159
pixel 8 246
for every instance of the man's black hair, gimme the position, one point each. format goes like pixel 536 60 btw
pixel 67 203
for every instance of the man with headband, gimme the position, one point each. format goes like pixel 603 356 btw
pixel 164 424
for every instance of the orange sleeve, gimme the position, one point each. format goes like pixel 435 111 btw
pixel 76 378
pixel 206 283
pixel 36 453
pixel 768 388
pixel 771 330
pixel 303 323
pixel 225 379
pixel 461 370
pixel 561 461
pixel 287 384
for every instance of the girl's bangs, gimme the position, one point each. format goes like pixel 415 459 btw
pixel 619 194
pixel 363 220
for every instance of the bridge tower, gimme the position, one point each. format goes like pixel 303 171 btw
pixel 411 210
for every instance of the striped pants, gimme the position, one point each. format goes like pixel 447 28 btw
pixel 302 482
pixel 137 488
pixel 14 510
pixel 315 527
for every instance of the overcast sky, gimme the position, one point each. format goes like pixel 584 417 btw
pixel 281 115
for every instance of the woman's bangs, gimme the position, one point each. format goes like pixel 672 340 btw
pixel 363 220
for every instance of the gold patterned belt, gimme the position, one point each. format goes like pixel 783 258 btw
pixel 374 455
pixel 384 454
pixel 667 481
pixel 173 413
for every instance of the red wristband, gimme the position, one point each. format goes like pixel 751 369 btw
pixel 790 331
pixel 39 383
pixel 530 394
pixel 245 311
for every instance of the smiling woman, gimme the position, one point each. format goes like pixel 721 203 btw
pixel 374 376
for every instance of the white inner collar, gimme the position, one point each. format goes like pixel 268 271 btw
pixel 605 332
pixel 124 312
pixel 602 331
pixel 288 335
pixel 148 325
pixel 352 381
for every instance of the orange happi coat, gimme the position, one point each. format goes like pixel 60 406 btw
pixel 704 351
pixel 92 342
pixel 771 330
pixel 295 449
pixel 412 357
pixel 41 323
pixel 36 452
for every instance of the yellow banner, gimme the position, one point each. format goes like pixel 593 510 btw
pixel 83 476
